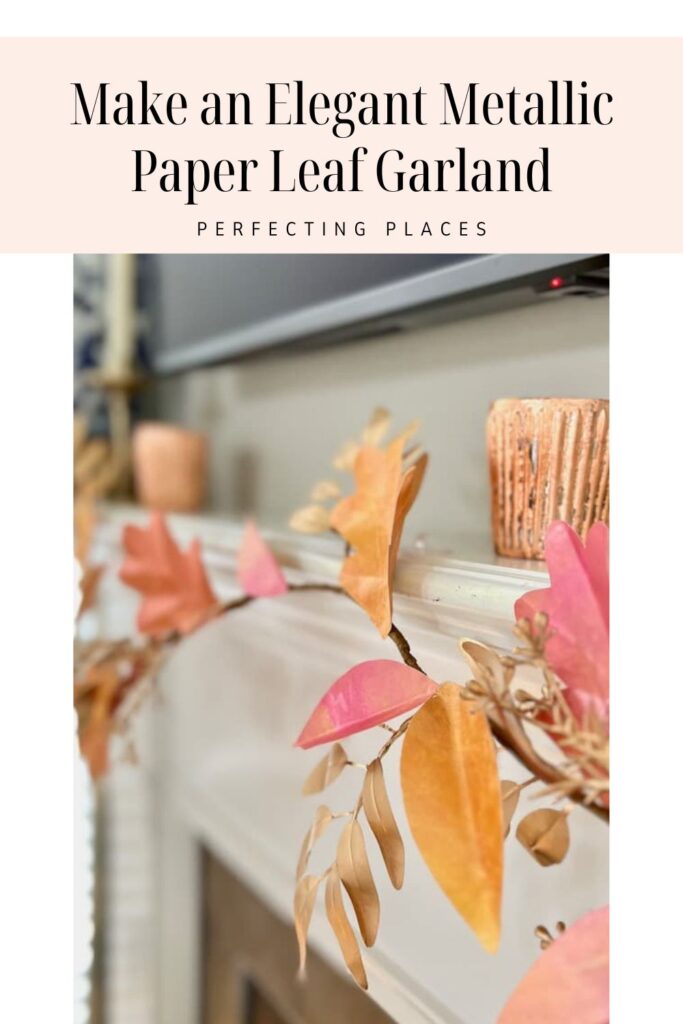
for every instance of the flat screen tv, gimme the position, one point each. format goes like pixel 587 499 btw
pixel 216 308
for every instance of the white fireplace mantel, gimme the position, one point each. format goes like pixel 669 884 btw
pixel 219 769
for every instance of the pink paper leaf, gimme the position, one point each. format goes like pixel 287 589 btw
pixel 577 605
pixel 366 695
pixel 569 983
pixel 257 570
pixel 175 590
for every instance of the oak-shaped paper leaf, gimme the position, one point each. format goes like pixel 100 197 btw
pixel 577 606
pixel 569 982
pixel 258 573
pixel 176 594
pixel 545 834
pixel 326 770
pixel 336 915
pixel 381 820
pixel 368 694
pixel 452 799
pixel 354 871
pixel 371 522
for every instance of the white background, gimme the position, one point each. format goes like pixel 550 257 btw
pixel 36 751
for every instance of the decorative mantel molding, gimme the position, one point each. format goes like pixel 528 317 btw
pixel 217 754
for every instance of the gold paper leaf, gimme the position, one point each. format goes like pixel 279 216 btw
pixel 326 771
pixel 310 519
pixel 304 902
pixel 382 822
pixel 325 490
pixel 377 426
pixel 545 834
pixel 452 798
pixel 345 458
pixel 336 915
pixel 354 871
pixel 323 817
pixel 509 792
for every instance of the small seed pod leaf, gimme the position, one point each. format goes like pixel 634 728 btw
pixel 545 834
pixel 509 792
pixel 325 490
pixel 304 902
pixel 310 519
pixel 326 770
pixel 382 822
pixel 354 870
pixel 339 922
pixel 323 817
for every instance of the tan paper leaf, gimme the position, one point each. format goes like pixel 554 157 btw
pixel 323 817
pixel 310 519
pixel 325 490
pixel 509 792
pixel 452 798
pixel 304 902
pixel 326 770
pixel 545 834
pixel 336 915
pixel 377 426
pixel 382 822
pixel 345 458
pixel 354 871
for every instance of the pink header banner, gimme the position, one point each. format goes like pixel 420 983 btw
pixel 332 145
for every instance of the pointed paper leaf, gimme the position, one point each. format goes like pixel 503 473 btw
pixel 325 490
pixel 377 426
pixel 258 573
pixel 354 870
pixel 336 915
pixel 304 903
pixel 569 983
pixel 452 798
pixel 323 817
pixel 176 595
pixel 368 694
pixel 509 792
pixel 326 770
pixel 382 822
pixel 371 521
pixel 577 606
pixel 545 834
pixel 310 519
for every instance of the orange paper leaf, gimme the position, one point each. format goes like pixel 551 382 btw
pixel 371 521
pixel 176 595
pixel 453 803
pixel 258 573
pixel 569 983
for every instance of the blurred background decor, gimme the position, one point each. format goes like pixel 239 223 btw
pixel 548 459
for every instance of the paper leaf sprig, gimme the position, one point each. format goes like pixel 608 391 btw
pixel 176 598
pixel 451 794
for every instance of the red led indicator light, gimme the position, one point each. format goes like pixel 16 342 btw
pixel 556 282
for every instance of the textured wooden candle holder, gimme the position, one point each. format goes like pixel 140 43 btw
pixel 548 459
pixel 169 466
